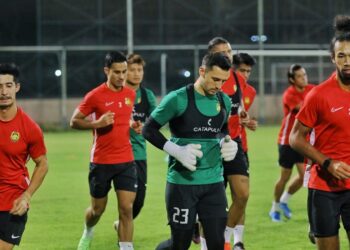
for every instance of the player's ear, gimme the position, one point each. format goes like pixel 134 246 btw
pixel 106 70
pixel 291 80
pixel 201 71
pixel 18 86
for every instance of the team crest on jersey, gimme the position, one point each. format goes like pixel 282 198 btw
pixel 15 136
pixel 235 87
pixel 218 107
pixel 128 102
pixel 247 100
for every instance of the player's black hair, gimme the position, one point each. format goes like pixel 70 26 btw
pixel 342 31
pixel 10 69
pixel 243 58
pixel 215 41
pixel 114 57
pixel 291 71
pixel 216 59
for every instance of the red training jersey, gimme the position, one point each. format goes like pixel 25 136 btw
pixel 290 99
pixel 327 111
pixel 20 139
pixel 230 88
pixel 111 144
pixel 248 93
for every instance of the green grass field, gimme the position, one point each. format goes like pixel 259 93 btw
pixel 57 210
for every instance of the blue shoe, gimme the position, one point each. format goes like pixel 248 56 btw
pixel 286 211
pixel 275 216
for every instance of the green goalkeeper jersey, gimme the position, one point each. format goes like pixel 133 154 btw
pixel 197 119
pixel 145 103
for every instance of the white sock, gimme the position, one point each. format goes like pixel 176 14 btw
pixel 285 197
pixel 88 232
pixel 275 206
pixel 238 234
pixel 126 246
pixel 228 233
pixel 203 244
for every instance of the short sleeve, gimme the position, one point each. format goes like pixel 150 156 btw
pixel 167 108
pixel 36 143
pixel 87 105
pixel 308 114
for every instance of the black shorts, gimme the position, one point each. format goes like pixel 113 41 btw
pixel 239 165
pixel 325 210
pixel 123 175
pixel 184 202
pixel 12 227
pixel 287 156
pixel 141 167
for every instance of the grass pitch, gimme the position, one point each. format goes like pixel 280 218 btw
pixel 57 211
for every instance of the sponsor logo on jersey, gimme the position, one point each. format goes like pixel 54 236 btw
pixel 336 109
pixel 108 104
pixel 15 136
pixel 138 100
pixel 247 100
pixel 206 129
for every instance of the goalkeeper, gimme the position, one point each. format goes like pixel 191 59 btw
pixel 197 115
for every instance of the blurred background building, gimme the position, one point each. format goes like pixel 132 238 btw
pixel 60 44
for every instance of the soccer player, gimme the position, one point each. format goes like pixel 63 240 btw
pixel 326 112
pixel 236 172
pixel 145 103
pixel 21 138
pixel 110 106
pixel 292 99
pixel 243 64
pixel 197 116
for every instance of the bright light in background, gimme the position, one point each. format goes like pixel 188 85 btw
pixel 58 72
pixel 256 38
pixel 186 73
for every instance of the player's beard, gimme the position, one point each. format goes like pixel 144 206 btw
pixel 344 77
pixel 6 106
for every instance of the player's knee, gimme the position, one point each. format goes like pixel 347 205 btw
pixel 126 210
pixel 97 211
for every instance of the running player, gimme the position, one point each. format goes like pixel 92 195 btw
pixel 197 116
pixel 110 105
pixel 21 138
pixel 292 99
pixel 326 111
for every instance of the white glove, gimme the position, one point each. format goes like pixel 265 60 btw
pixel 229 148
pixel 186 155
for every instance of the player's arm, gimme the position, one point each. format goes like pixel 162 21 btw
pixel 79 121
pixel 20 205
pixel 298 141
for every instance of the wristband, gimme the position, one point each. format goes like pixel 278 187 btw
pixel 326 164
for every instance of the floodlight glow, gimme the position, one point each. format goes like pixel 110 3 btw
pixel 58 72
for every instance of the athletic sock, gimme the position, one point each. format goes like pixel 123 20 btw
pixel 275 206
pixel 228 233
pixel 203 244
pixel 126 246
pixel 285 197
pixel 88 232
pixel 238 234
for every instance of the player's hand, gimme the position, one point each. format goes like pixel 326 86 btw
pixel 106 119
pixel 136 126
pixel 186 155
pixel 244 117
pixel 252 124
pixel 229 148
pixel 339 169
pixel 21 204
